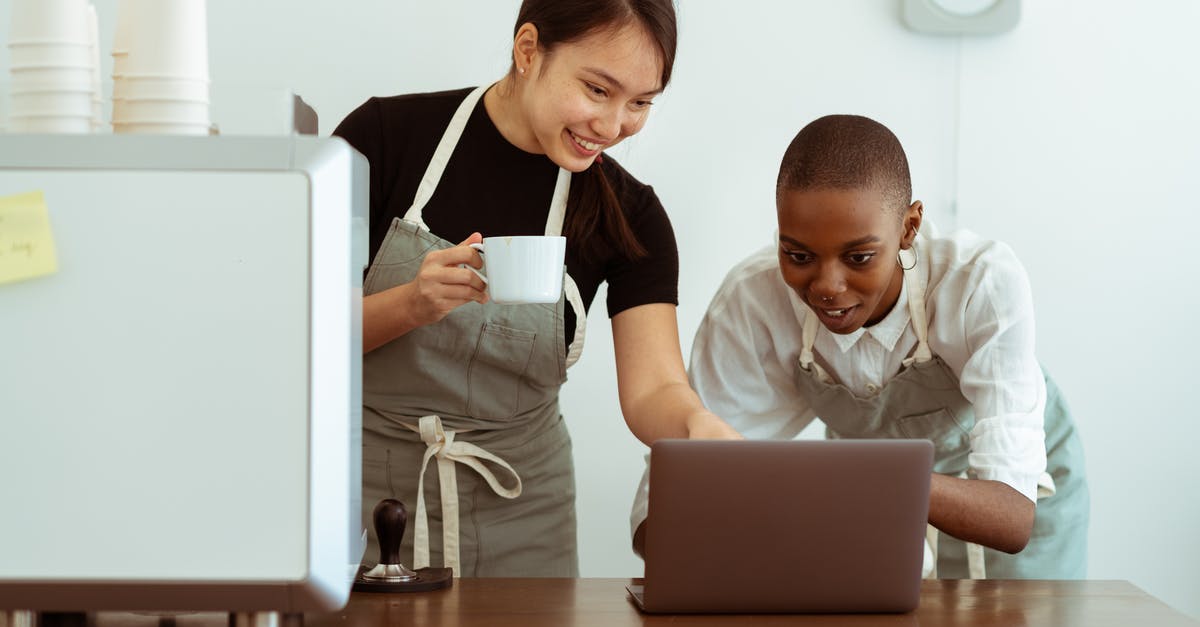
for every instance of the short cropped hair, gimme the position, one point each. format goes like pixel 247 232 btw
pixel 847 152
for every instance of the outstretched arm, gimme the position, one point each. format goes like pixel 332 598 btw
pixel 656 399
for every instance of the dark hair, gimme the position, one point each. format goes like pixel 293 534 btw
pixel 594 207
pixel 847 152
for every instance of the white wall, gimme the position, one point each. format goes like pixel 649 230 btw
pixel 1073 138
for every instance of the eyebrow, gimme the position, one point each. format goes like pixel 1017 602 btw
pixel 612 80
pixel 870 239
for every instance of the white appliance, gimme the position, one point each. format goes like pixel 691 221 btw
pixel 180 403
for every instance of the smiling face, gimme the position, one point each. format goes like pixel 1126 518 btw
pixel 585 96
pixel 838 251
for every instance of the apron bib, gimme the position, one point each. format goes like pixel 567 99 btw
pixel 924 401
pixel 470 405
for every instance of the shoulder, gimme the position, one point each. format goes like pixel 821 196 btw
pixel 619 176
pixel 643 211
pixel 634 195
pixel 384 118
pixel 965 256
pixel 975 278
pixel 423 105
pixel 754 289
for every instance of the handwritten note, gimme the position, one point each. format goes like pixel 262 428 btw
pixel 26 244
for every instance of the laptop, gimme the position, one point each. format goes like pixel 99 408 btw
pixel 794 526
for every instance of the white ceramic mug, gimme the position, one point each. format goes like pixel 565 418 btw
pixel 522 269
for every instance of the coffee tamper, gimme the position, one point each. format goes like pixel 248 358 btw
pixel 389 575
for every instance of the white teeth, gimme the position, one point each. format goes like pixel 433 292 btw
pixel 582 142
pixel 835 313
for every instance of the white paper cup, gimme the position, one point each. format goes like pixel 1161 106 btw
pixel 167 128
pixel 51 104
pixel 125 24
pixel 49 124
pixel 49 21
pixel 94 48
pixel 165 38
pixel 49 55
pixel 127 111
pixel 120 60
pixel 147 87
pixel 51 79
pixel 523 269
pixel 118 88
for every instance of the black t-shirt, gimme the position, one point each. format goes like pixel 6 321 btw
pixel 497 189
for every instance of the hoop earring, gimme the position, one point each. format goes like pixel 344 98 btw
pixel 900 259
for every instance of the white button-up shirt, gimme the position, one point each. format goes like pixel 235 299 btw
pixel 980 317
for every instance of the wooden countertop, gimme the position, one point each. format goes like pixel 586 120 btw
pixel 605 603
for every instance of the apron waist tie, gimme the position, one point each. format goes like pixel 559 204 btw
pixel 441 443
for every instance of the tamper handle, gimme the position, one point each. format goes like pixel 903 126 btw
pixel 390 520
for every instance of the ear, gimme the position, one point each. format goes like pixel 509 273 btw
pixel 525 49
pixel 912 224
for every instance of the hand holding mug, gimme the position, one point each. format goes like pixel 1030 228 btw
pixel 447 280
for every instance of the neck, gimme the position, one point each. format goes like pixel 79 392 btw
pixel 503 105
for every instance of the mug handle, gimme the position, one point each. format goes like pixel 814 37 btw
pixel 478 247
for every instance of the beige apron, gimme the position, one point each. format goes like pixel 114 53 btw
pixel 477 389
pixel 925 401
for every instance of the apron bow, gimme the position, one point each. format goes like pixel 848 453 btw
pixel 440 443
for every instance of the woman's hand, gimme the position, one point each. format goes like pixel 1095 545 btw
pixel 441 286
pixel 707 426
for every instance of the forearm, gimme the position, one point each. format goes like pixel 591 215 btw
pixel 670 411
pixel 385 317
pixel 989 513
pixel 656 400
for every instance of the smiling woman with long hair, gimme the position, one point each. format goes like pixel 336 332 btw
pixel 460 395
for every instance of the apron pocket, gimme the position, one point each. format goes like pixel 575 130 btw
pixel 950 439
pixel 494 375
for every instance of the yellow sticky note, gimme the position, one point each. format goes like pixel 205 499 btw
pixel 26 244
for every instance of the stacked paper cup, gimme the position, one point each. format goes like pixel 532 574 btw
pixel 160 68
pixel 94 53
pixel 53 87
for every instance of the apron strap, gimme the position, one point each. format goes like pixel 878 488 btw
pixel 916 304
pixel 558 203
pixel 441 443
pixel 808 338
pixel 929 564
pixel 554 224
pixel 441 157
pixel 575 349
